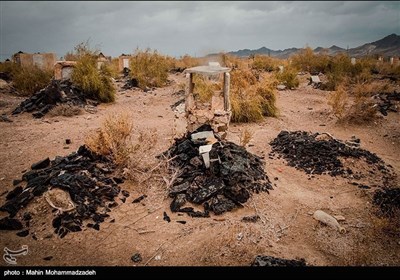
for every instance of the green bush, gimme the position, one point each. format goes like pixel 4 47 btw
pixel 149 68
pixel 28 80
pixel 288 78
pixel 94 83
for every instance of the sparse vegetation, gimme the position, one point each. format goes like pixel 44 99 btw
pixel 184 62
pixel 94 83
pixel 288 78
pixel 251 100
pixel 28 80
pixel 9 68
pixel 204 88
pixel 307 61
pixel 113 68
pixel 265 63
pixel 149 68
pixel 338 100
pixel 116 138
pixel 233 62
pixel 268 99
pixel 363 110
pixel 245 137
pixel 113 138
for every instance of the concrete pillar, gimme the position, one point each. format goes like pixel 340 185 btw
pixel 189 98
pixel 391 60
pixel 227 102
pixel 353 60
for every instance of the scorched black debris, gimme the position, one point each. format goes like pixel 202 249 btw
pixel 84 175
pixel 233 175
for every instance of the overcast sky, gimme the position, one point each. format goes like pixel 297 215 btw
pixel 195 28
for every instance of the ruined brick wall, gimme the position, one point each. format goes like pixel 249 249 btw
pixel 123 61
pixel 44 61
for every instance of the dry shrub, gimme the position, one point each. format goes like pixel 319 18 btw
pixel 288 77
pixel 113 68
pixel 246 107
pixel 370 89
pixel 363 109
pixel 245 137
pixel 266 91
pixel 9 68
pixel 265 63
pixel 204 88
pixel 242 79
pixel 338 100
pixel 29 79
pixel 251 100
pixel 149 68
pixel 388 70
pixel 113 138
pixel 142 157
pixel 234 62
pixel 185 61
pixel 65 110
pixel 95 84
pixel 131 149
pixel 307 61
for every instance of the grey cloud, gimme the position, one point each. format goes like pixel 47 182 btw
pixel 196 28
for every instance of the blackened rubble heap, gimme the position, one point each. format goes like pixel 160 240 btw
pixel 233 175
pixel 387 102
pixel 306 152
pixel 57 92
pixel 388 200
pixel 86 176
pixel 272 261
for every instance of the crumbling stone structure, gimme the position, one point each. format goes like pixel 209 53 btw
pixel 216 113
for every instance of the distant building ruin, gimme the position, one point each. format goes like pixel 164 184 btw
pixel 44 61
pixel 123 62
pixel 63 69
pixel 102 60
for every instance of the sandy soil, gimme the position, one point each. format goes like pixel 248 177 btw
pixel 286 228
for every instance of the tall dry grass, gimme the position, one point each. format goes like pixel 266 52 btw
pixel 149 68
pixel 29 79
pixel 338 101
pixel 251 100
pixel 113 138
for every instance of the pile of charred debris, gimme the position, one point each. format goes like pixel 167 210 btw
pixel 387 102
pixel 388 200
pixel 320 153
pixel 84 175
pixel 273 261
pixel 212 172
pixel 57 92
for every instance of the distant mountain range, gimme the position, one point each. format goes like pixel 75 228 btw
pixel 388 46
